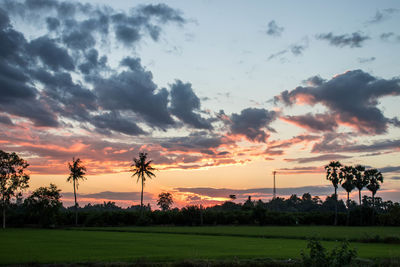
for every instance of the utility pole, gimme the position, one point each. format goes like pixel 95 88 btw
pixel 274 172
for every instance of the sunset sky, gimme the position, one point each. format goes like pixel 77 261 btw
pixel 218 93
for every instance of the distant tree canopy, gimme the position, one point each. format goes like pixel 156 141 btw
pixel 13 179
pixel 45 203
pixel 165 201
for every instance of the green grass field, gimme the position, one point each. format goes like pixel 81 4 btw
pixel 293 232
pixel 91 245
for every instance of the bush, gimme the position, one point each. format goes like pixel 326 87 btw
pixel 318 256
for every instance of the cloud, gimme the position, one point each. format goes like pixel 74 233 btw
pixel 382 15
pixel 395 178
pixel 336 143
pixel 255 192
pixel 355 39
pixel 351 97
pixel 392 169
pixel 327 157
pixel 251 123
pixel 274 29
pixel 366 59
pixel 184 103
pixel 313 122
pixel 135 91
pixel 51 54
pixel 5 120
pixel 301 170
pixel 114 121
pixel 390 37
pixel 109 195
pixel 292 141
pixel 296 49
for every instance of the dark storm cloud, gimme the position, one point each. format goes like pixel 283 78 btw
pixel 51 54
pixel 251 123
pixel 92 62
pixel 52 23
pixel 274 29
pixel 114 121
pixel 184 104
pixel 314 122
pixel 356 39
pixel 5 120
pixel 200 141
pixel 327 157
pixel 135 91
pixel 36 75
pixel 129 28
pixel 382 15
pixel 351 97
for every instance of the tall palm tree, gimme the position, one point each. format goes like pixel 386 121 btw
pixel 374 178
pixel 77 172
pixel 360 180
pixel 348 184
pixel 142 169
pixel 347 174
pixel 333 175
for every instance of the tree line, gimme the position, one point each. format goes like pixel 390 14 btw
pixel 44 207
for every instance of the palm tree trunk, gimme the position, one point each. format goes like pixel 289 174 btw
pixel 373 209
pixel 359 196
pixel 141 196
pixel 335 222
pixel 76 206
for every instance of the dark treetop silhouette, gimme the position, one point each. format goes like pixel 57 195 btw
pixel 142 169
pixel 12 178
pixel 332 174
pixel 77 172
pixel 165 201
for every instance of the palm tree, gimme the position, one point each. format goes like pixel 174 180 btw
pixel 77 172
pixel 141 169
pixel 348 184
pixel 332 174
pixel 360 180
pixel 374 178
pixel 347 174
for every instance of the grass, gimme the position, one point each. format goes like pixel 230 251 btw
pixel 60 246
pixel 332 233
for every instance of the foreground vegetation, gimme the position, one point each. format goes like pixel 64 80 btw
pixel 56 246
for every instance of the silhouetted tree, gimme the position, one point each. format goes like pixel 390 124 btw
pixel 232 197
pixel 12 178
pixel 348 177
pixel 332 174
pixel 45 204
pixel 76 173
pixel 374 178
pixel 348 185
pixel 360 180
pixel 165 201
pixel 142 169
